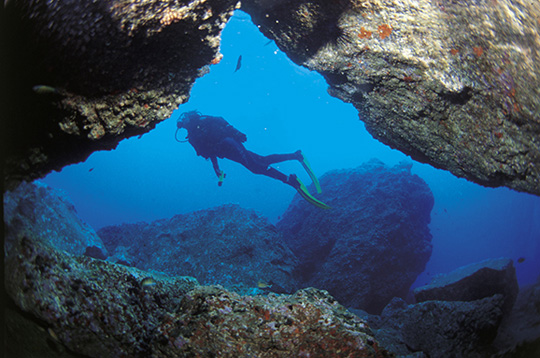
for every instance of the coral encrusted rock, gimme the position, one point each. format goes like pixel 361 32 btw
pixel 374 241
pixel 99 309
pixel 227 245
pixel 91 73
pixel 48 215
pixel 451 84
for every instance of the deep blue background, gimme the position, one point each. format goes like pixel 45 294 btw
pixel 283 107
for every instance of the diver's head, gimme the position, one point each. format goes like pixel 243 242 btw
pixel 186 117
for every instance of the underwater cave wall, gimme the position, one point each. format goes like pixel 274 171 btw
pixel 449 83
pixel 458 94
pixel 85 75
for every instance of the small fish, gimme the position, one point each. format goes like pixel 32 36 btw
pixel 148 282
pixel 238 63
pixel 42 89
pixel 52 334
pixel 520 260
pixel 269 42
pixel 90 169
pixel 263 284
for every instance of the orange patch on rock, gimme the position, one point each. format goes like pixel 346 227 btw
pixel 364 34
pixel 407 79
pixel 216 59
pixel 478 51
pixel 384 31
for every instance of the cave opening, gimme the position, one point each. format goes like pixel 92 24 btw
pixel 283 107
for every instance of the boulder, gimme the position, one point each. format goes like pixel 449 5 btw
pixel 441 328
pixel 227 245
pixel 95 308
pixel 374 241
pixel 473 282
pixel 49 216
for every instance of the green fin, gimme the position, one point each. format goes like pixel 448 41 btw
pixel 312 175
pixel 302 190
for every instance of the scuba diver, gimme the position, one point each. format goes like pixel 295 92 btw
pixel 213 137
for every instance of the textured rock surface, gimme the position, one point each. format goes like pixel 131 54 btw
pixel 473 282
pixel 461 95
pixel 48 215
pixel 374 241
pixel 458 93
pixel 440 328
pixel 227 245
pixel 99 309
pixel 118 68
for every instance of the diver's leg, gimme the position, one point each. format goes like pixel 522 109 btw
pixel 259 165
pixel 255 163
pixel 278 158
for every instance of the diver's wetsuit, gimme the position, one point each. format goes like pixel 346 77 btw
pixel 214 137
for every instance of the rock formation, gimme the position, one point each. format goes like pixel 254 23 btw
pixel 450 85
pixel 466 313
pixel 99 309
pixel 441 328
pixel 473 282
pixel 372 244
pixel 455 93
pixel 228 245
pixel 49 216
pixel 64 303
pixel 519 333
pixel 89 74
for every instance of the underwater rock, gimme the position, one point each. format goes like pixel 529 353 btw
pixel 374 241
pixel 85 75
pixel 440 328
pixel 227 245
pixel 94 307
pixel 309 323
pixel 99 309
pixel 48 215
pixel 458 94
pixel 473 282
pixel 520 331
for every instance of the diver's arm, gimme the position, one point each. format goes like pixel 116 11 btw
pixel 218 171
pixel 215 165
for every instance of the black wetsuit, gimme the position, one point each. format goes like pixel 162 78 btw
pixel 214 137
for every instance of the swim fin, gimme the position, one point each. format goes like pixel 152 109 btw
pixel 312 175
pixel 302 190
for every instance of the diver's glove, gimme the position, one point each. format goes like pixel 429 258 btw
pixel 221 176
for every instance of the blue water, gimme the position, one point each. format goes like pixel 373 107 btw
pixel 283 107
